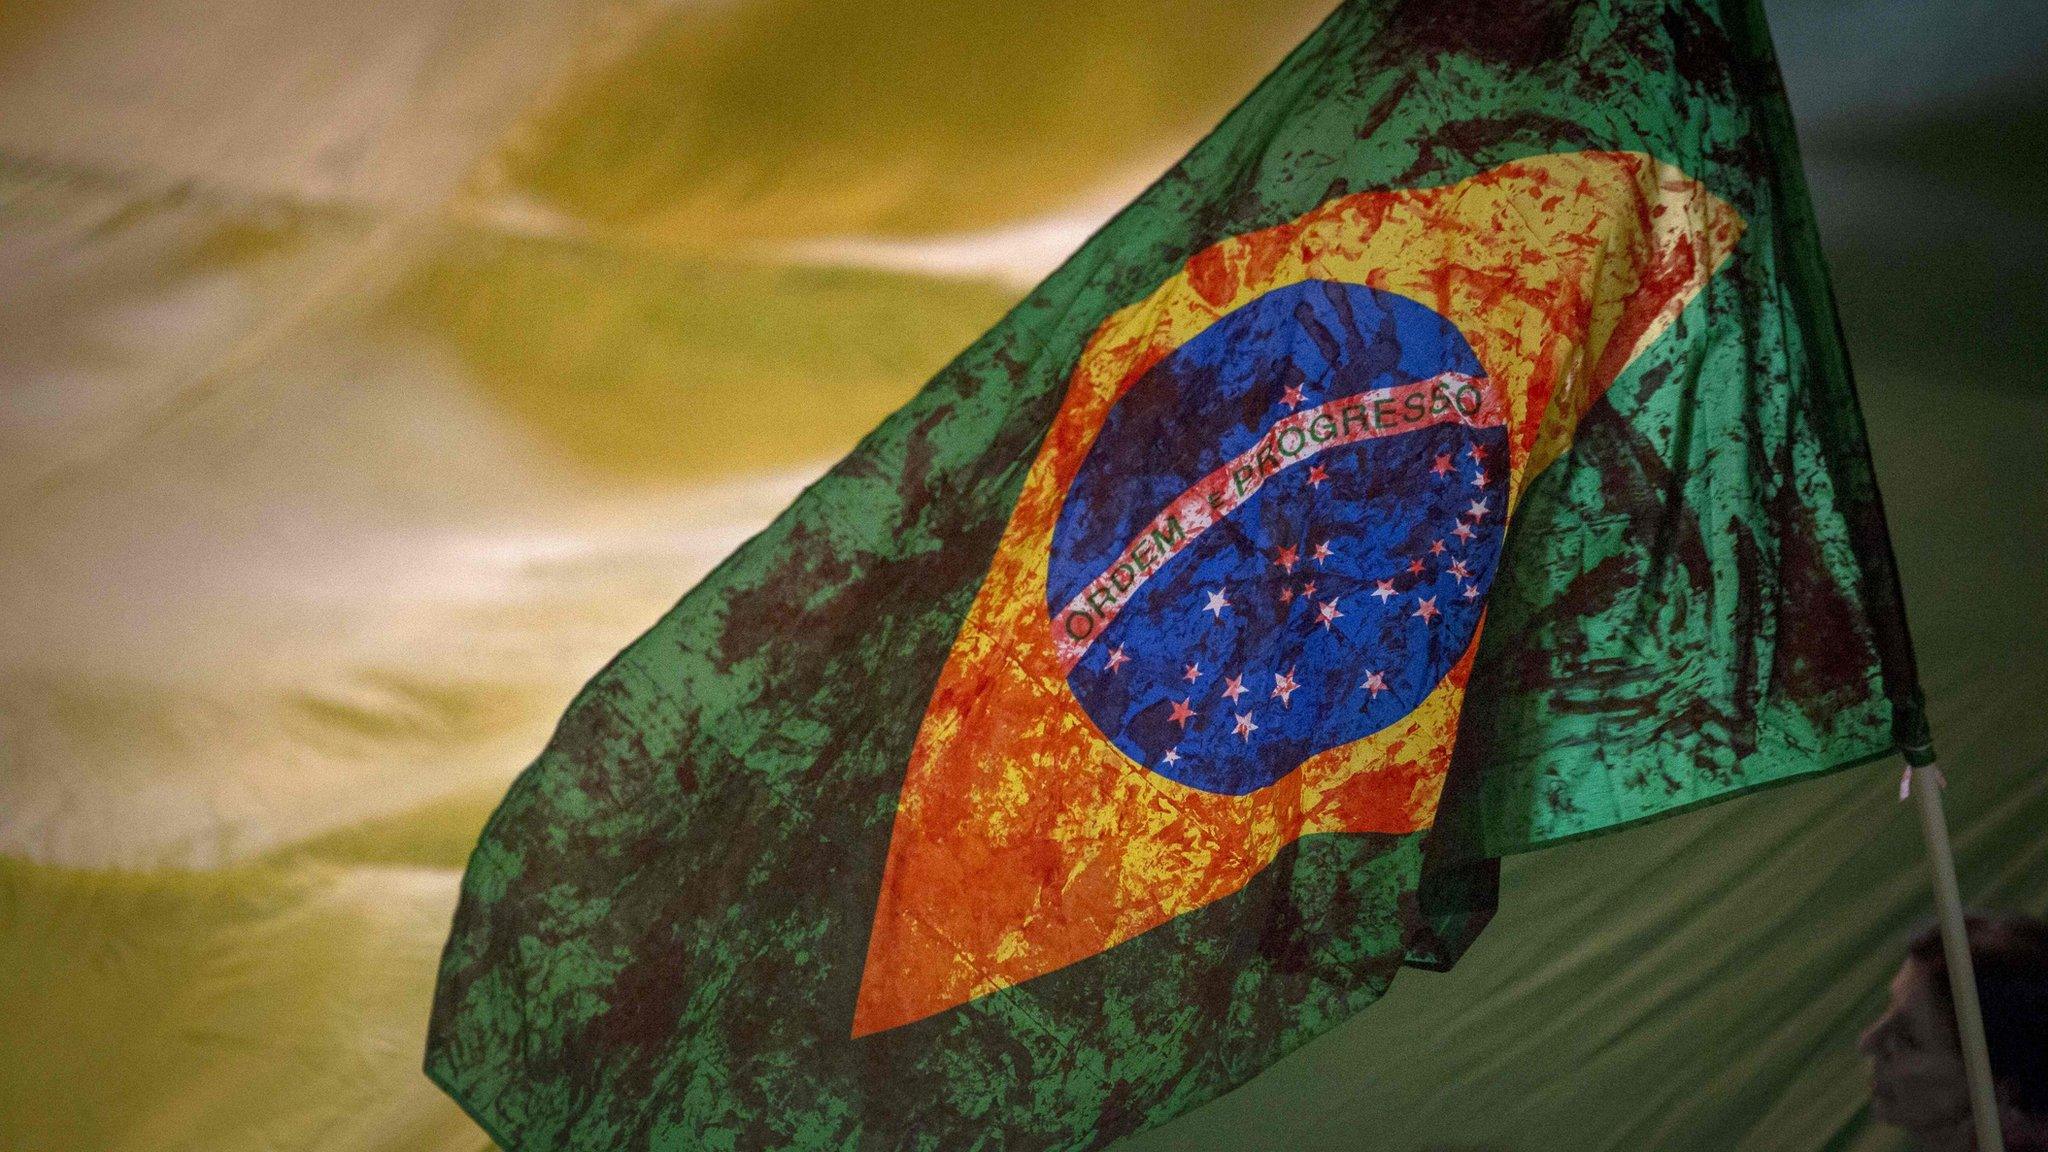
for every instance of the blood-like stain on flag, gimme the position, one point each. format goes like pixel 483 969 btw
pixel 1240 596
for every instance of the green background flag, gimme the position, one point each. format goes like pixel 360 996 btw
pixel 662 931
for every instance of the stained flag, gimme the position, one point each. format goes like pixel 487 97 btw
pixel 1453 454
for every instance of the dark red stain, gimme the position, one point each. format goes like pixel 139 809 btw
pixel 1210 275
pixel 1481 140
pixel 1824 648
pixel 1510 34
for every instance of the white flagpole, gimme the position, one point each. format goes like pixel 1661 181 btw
pixel 1925 782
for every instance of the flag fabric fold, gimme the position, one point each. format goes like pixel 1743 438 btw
pixel 1453 454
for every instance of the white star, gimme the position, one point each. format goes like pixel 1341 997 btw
pixel 1193 673
pixel 1425 608
pixel 1233 688
pixel 1171 757
pixel 1284 686
pixel 1217 603
pixel 1327 613
pixel 1245 727
pixel 1384 590
pixel 1375 683
pixel 1321 553
pixel 1463 532
pixel 1478 510
pixel 1117 657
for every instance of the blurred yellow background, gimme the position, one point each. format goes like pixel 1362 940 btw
pixel 373 372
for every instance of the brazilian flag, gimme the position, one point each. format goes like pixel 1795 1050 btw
pixel 1455 453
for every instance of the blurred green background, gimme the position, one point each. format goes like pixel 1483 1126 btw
pixel 370 373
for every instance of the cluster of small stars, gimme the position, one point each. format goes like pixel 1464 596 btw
pixel 1326 612
pixel 1292 572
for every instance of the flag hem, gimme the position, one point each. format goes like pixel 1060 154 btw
pixel 1699 802
pixel 490 1131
